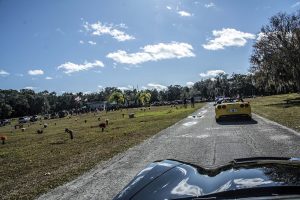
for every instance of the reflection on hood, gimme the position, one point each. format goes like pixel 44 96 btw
pixel 170 179
pixel 250 182
pixel 183 188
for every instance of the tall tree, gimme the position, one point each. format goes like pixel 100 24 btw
pixel 117 97
pixel 276 53
pixel 144 97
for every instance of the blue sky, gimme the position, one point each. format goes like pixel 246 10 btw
pixel 84 45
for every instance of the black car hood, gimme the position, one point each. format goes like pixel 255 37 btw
pixel 171 179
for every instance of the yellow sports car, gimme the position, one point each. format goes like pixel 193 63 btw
pixel 232 107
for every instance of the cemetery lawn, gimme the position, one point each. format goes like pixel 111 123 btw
pixel 32 164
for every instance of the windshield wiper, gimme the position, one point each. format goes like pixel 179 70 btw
pixel 250 192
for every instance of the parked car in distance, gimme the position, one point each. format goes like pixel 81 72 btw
pixel 34 118
pixel 47 116
pixel 24 119
pixel 4 122
pixel 53 116
pixel 62 114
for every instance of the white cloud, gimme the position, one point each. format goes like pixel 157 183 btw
pixel 123 88
pixel 260 36
pixel 103 29
pixel 92 42
pixel 153 53
pixel 88 92
pixel 81 42
pixel 183 13
pixel 70 67
pixel 3 73
pixel 265 36
pixel 156 86
pixel 190 84
pixel 29 88
pixel 169 7
pixel 209 5
pixel 122 25
pixel 48 78
pixel 228 37
pixel 35 72
pixel 100 86
pixel 296 4
pixel 211 73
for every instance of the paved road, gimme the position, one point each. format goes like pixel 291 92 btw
pixel 197 139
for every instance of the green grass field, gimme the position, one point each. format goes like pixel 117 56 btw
pixel 31 163
pixel 277 109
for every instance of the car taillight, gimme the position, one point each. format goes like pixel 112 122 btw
pixel 219 107
pixel 246 105
pixel 242 105
pixel 224 106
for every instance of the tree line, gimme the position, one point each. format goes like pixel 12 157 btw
pixel 274 69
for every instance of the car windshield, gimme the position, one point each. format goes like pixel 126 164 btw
pixel 96 92
pixel 229 100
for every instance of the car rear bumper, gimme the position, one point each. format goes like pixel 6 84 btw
pixel 233 116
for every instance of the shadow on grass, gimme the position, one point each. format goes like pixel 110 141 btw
pixel 287 103
pixel 236 121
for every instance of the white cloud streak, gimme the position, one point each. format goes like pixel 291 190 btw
pixel 103 29
pixel 3 73
pixel 48 78
pixel 123 88
pixel 157 86
pixel 92 42
pixel 60 31
pixel 228 37
pixel 169 7
pixel 35 72
pixel 29 88
pixel 190 84
pixel 70 67
pixel 155 52
pixel 211 73
pixel 209 5
pixel 88 92
pixel 260 36
pixel 183 13
pixel 296 4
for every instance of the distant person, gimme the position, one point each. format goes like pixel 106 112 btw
pixel 193 102
pixel 185 102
